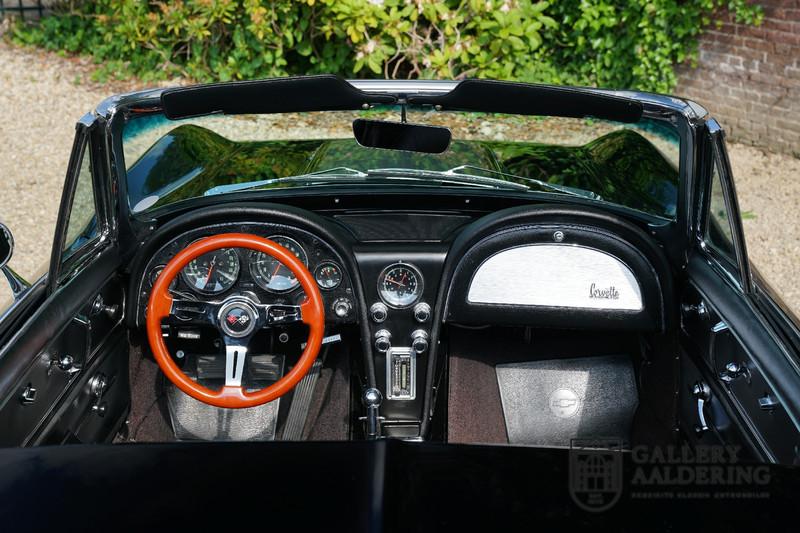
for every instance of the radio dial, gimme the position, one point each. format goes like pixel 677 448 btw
pixel 379 312
pixel 383 340
pixel 419 341
pixel 422 312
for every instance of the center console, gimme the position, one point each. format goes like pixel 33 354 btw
pixel 400 285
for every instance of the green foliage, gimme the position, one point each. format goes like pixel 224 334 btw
pixel 609 43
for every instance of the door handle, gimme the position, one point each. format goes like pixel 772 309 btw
pixel 702 394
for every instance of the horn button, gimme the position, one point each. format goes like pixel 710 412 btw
pixel 238 318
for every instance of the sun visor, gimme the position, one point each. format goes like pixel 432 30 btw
pixel 280 95
pixel 491 96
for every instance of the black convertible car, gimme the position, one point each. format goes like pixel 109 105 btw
pixel 503 305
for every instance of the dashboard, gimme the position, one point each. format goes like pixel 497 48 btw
pixel 393 281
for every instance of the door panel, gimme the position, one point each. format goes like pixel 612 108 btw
pixel 750 374
pixel 97 405
pixel 51 372
pixel 68 323
pixel 723 426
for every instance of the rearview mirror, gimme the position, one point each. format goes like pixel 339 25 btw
pixel 401 136
pixel 6 245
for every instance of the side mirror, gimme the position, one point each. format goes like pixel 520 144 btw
pixel 6 245
pixel 17 284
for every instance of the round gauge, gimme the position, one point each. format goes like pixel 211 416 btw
pixel 271 274
pixel 214 272
pixel 157 272
pixel 400 285
pixel 328 275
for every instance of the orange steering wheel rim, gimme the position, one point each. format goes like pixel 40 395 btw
pixel 160 305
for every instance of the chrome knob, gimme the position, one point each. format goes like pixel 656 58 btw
pixel 379 312
pixel 419 341
pixel 98 384
pixel 372 397
pixel 422 312
pixel 342 307
pixel 383 340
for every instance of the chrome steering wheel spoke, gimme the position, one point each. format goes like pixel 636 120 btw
pixel 277 314
pixel 235 354
pixel 195 312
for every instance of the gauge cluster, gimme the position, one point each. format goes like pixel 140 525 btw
pixel 219 273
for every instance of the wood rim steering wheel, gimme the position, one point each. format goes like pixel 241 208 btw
pixel 237 317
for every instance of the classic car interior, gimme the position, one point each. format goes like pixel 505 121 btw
pixel 465 312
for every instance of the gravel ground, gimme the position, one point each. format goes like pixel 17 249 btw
pixel 42 95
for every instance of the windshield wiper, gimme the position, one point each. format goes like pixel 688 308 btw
pixel 446 176
pixel 331 174
pixel 469 174
pixel 462 175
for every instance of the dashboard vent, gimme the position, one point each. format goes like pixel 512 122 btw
pixel 403 227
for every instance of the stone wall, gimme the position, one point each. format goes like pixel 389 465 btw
pixel 748 77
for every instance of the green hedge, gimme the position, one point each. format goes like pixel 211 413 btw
pixel 607 43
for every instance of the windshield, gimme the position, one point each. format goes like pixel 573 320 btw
pixel 632 165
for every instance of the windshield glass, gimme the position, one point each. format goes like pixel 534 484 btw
pixel 633 165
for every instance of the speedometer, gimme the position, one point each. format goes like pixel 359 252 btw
pixel 271 274
pixel 214 272
pixel 400 285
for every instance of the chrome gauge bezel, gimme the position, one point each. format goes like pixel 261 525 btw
pixel 185 278
pixel 155 272
pixel 420 284
pixel 258 278
pixel 323 265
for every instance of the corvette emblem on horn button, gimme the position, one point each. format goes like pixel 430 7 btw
pixel 237 319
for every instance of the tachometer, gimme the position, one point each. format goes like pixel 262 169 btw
pixel 271 274
pixel 214 272
pixel 400 285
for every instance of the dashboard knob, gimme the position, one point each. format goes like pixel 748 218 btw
pixel 379 312
pixel 419 341
pixel 342 307
pixel 383 340
pixel 422 312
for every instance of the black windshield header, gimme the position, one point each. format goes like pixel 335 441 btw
pixel 332 93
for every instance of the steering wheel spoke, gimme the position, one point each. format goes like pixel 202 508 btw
pixel 235 354
pixel 282 314
pixel 194 312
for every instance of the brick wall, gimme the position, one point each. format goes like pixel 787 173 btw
pixel 748 77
